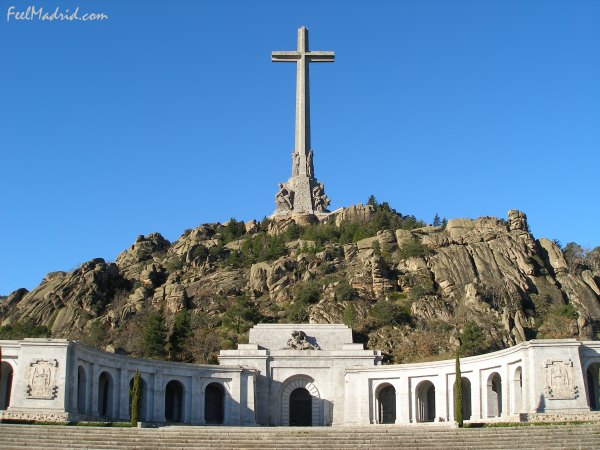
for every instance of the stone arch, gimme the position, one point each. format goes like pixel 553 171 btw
pixel 425 394
pixel 81 390
pixel 385 402
pixel 143 415
pixel 592 383
pixel 300 382
pixel 174 401
pixel 214 403
pixel 105 394
pixel 494 395
pixel 6 381
pixel 466 397
pixel 517 391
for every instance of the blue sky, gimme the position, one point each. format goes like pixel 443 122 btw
pixel 170 114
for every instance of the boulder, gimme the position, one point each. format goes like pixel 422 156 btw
pixel 356 213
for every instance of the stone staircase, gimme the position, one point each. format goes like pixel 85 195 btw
pixel 375 437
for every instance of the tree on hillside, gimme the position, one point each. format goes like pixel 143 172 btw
pixel 436 220
pixel 154 334
pixel 179 334
pixel 372 201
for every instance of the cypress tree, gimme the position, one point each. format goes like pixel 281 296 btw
pixel 136 399
pixel 458 397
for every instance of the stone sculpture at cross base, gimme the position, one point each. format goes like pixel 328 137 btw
pixel 302 193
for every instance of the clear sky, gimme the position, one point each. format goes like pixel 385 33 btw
pixel 170 114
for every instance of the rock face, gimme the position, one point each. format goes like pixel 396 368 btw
pixel 430 282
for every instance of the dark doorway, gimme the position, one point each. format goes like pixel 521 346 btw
pixel 592 384
pixel 174 401
pixel 105 394
pixel 387 405
pixel 81 390
pixel 6 380
pixel 214 403
pixel 300 408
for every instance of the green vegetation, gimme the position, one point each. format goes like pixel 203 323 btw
pixel 350 316
pixel 233 230
pixel 556 322
pixel 472 341
pixel 458 395
pixel 136 398
pixel 154 333
pixel 386 312
pixel 180 332
pixel 413 249
pixel 344 292
pixel 241 316
pixel 308 292
pixel 22 329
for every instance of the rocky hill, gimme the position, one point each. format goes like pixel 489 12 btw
pixel 414 291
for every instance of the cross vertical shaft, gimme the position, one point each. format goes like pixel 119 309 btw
pixel 302 57
pixel 302 193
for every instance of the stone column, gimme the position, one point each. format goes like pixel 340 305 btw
pixel 476 395
pixel 403 403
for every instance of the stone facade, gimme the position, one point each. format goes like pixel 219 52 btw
pixel 300 374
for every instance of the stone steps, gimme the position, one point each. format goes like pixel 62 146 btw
pixel 191 438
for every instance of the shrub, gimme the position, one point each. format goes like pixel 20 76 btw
pixel 413 249
pixel 350 316
pixel 307 293
pixel 386 312
pixel 472 341
pixel 22 329
pixel 344 292
pixel 297 312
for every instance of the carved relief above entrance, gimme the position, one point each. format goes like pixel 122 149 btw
pixel 41 379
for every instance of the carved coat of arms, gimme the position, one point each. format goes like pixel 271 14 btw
pixel 559 380
pixel 41 380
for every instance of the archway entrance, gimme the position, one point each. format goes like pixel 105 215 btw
pixel 593 386
pixel 174 401
pixel 300 402
pixel 81 390
pixel 105 395
pixel 214 403
pixel 386 405
pixel 6 380
pixel 300 408
pixel 425 402
pixel 494 395
pixel 517 403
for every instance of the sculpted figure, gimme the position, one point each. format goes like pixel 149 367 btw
pixel 284 198
pixel 299 341
pixel 320 200
pixel 295 163
pixel 309 164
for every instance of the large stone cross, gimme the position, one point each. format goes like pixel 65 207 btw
pixel 302 193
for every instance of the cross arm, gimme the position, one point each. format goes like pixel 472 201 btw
pixel 285 56
pixel 320 56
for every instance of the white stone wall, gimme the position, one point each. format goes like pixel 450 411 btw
pixel 78 388
pixel 542 380
pixel 527 374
